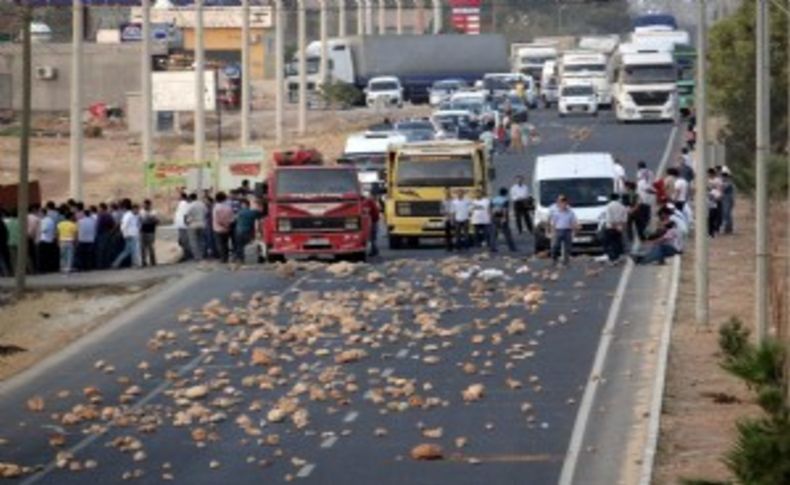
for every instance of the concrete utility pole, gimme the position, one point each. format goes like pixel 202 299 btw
pixel 279 66
pixel 324 66
pixel 302 52
pixel 419 27
pixel 145 82
pixel 382 17
pixel 200 88
pixel 701 168
pixel 787 235
pixel 341 19
pixel 763 147
pixel 23 193
pixel 369 17
pixel 437 17
pixel 245 73
pixel 399 16
pixel 360 17
pixel 78 30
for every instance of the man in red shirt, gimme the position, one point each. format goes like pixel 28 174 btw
pixel 372 208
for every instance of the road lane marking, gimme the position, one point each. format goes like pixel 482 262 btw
pixel 305 471
pixel 329 442
pixel 595 377
pixel 351 417
pixel 182 371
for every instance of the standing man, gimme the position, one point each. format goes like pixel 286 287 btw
pixel 500 209
pixel 179 221
pixel 149 219
pixel 130 230
pixel 481 220
pixel 372 208
pixel 195 219
pixel 519 195
pixel 49 253
pixel 245 228
pixel 562 225
pixel 461 208
pixel 615 218
pixel 727 200
pixel 86 241
pixel 222 222
pixel 447 212
pixel 5 251
pixel 67 237
pixel 619 176
pixel 13 229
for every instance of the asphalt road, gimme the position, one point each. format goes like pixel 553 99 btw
pixel 428 331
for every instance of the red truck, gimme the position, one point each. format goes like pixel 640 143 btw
pixel 313 209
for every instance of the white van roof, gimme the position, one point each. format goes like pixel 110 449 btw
pixel 574 165
pixel 654 58
pixel 373 142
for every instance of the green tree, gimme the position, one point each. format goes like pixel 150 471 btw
pixel 732 87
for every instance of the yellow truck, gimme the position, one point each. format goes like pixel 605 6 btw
pixel 418 174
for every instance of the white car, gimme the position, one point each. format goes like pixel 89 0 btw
pixel 441 91
pixel 578 97
pixel 385 91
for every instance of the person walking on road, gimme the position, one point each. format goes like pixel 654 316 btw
pixel 244 232
pixel 195 219
pixel 522 211
pixel 562 225
pixel 481 220
pixel 447 212
pixel 149 220
pixel 461 209
pixel 222 221
pixel 500 210
pixel 130 230
pixel 615 218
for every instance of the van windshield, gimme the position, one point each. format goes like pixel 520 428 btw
pixel 590 192
pixel 384 86
pixel 429 172
pixel 646 74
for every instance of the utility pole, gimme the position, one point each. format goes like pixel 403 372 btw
pixel 302 53
pixel 419 28
pixel 369 17
pixel 324 66
pixel 245 73
pixel 399 16
pixel 200 95
pixel 787 235
pixel 360 17
pixel 78 30
pixel 147 94
pixel 437 17
pixel 701 169
pixel 341 18
pixel 23 193
pixel 762 304
pixel 382 17
pixel 279 66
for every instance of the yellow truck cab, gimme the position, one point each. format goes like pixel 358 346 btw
pixel 418 174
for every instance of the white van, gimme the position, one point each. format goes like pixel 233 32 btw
pixel 384 90
pixel 577 96
pixel 586 179
pixel 367 152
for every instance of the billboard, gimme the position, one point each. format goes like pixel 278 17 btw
pixel 237 164
pixel 465 16
pixel 175 90
pixel 213 17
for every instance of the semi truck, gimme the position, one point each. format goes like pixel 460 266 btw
pixel 416 60
pixel 686 59
pixel 313 209
pixel 590 66
pixel 645 85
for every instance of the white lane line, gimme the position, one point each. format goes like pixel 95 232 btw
pixel 329 442
pixel 387 372
pixel 659 386
pixel 305 471
pixel 351 417
pixel 182 371
pixel 402 353
pixel 668 151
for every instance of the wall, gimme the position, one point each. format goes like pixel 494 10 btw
pixel 229 39
pixel 110 71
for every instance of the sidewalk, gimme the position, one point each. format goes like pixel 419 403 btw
pixel 104 278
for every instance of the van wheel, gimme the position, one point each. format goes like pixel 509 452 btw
pixel 395 242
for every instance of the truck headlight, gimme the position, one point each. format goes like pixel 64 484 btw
pixel 352 223
pixel 283 225
pixel 403 208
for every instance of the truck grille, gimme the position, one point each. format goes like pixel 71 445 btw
pixel 318 223
pixel 650 98
pixel 420 209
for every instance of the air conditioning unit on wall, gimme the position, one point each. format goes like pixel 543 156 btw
pixel 46 73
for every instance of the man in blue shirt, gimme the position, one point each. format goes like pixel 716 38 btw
pixel 562 225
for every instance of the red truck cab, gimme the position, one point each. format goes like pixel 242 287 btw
pixel 314 210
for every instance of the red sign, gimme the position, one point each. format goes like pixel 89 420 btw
pixel 466 15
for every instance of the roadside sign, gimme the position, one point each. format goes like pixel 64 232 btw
pixel 175 90
pixel 237 164
pixel 171 173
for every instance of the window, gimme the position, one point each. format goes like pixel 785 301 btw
pixel 646 74
pixel 420 171
pixel 316 182
pixel 591 192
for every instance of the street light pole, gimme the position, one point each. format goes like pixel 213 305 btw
pixel 279 66
pixel 369 17
pixel 200 88
pixel 399 16
pixel 76 140
pixel 302 46
pixel 701 168
pixel 382 17
pixel 762 145
pixel 324 66
pixel 341 18
pixel 145 82
pixel 437 17
pixel 245 73
pixel 360 17
pixel 23 194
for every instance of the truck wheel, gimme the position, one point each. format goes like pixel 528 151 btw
pixel 395 242
pixel 359 257
pixel 274 258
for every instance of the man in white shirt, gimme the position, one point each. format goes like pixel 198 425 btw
pixel 179 221
pixel 130 229
pixel 681 192
pixel 196 225
pixel 522 212
pixel 481 220
pixel 461 208
pixel 615 218
pixel 619 177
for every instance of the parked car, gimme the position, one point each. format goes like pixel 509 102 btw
pixel 442 90
pixel 578 97
pixel 385 90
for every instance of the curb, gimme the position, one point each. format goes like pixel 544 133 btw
pixel 659 386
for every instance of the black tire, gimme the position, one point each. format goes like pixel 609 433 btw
pixel 413 242
pixel 274 258
pixel 359 257
pixel 395 242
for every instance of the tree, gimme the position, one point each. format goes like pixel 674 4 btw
pixel 732 85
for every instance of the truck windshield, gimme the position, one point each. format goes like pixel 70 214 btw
pixel 435 172
pixel 591 68
pixel 304 183
pixel 577 91
pixel 580 192
pixel 384 86
pixel 647 74
pixel 535 60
